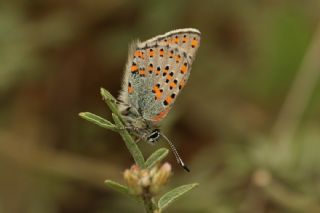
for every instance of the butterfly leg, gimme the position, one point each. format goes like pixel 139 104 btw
pixel 132 131
pixel 138 140
pixel 125 128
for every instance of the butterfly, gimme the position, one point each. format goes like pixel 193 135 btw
pixel 155 74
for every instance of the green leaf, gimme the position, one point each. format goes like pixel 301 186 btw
pixel 130 143
pixel 98 120
pixel 111 102
pixel 117 186
pixel 174 194
pixel 122 189
pixel 156 157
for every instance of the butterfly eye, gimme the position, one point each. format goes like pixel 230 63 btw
pixel 153 137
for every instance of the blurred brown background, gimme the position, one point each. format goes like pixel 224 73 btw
pixel 247 124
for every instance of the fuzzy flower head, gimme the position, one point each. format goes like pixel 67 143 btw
pixel 140 181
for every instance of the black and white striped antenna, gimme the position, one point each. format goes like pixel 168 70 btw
pixel 175 152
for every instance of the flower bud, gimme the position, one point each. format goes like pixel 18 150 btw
pixel 131 176
pixel 160 178
pixel 151 180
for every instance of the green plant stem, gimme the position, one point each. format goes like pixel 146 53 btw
pixel 130 143
pixel 149 204
pixel 111 102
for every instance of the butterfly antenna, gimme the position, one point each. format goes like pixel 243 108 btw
pixel 175 152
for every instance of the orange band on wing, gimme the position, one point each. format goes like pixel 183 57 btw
pixel 134 68
pixel 161 115
pixel 178 57
pixel 157 91
pixel 194 43
pixel 158 70
pixel 142 72
pixel 176 40
pixel 184 39
pixel 184 68
pixel 169 77
pixel 139 54
pixel 161 52
pixel 182 84
pixel 168 100
pixel 130 89
pixel 172 85
pixel 151 53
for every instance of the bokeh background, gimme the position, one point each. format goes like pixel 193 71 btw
pixel 247 123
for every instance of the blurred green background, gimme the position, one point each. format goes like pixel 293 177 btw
pixel 247 124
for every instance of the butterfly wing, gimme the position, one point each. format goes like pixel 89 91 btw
pixel 138 79
pixel 157 70
pixel 175 53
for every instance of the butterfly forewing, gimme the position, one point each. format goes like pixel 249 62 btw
pixel 157 71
